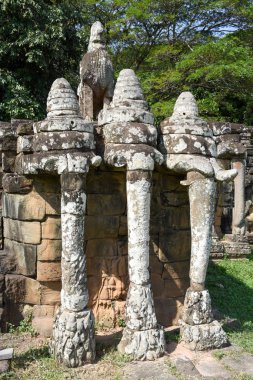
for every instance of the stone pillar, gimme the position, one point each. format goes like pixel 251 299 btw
pixel 238 222
pixel 198 328
pixel 202 196
pixel 142 337
pixel 73 341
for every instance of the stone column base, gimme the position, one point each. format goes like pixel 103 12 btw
pixel 203 337
pixel 143 345
pixel 197 327
pixel 73 339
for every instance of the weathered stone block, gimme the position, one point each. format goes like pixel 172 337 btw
pixel 122 244
pixel 123 229
pixel 157 285
pixel 5 127
pixel 174 198
pixel 156 266
pixel 14 183
pixel 26 232
pixel 46 141
pixel 106 182
pixel 42 311
pixel 179 269
pixel 176 246
pixel 1 282
pixel 174 218
pixel 130 133
pixel 229 146
pixel 21 289
pixel 94 285
pixel 187 144
pixel 7 265
pixel 51 228
pixel 101 248
pixel 119 266
pixel 25 144
pixel 175 287
pixel 101 226
pixel 168 311
pixel 171 183
pixel 64 124
pixel 198 128
pixel 8 161
pixel 9 143
pixel 24 207
pixel 51 293
pixel 236 249
pixel 22 256
pixel 48 271
pixel 223 128
pixel 53 203
pixel 49 250
pixel 107 204
pixel 43 326
pixel 24 127
pixel 47 184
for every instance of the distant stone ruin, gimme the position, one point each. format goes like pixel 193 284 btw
pixel 106 217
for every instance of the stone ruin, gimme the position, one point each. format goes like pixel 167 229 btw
pixel 106 217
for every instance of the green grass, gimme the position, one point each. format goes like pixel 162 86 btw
pixel 230 283
pixel 37 364
pixel 25 326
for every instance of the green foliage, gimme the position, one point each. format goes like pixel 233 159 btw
pixel 111 355
pixel 39 42
pixel 25 326
pixel 121 322
pixel 219 74
pixel 173 45
pixel 37 364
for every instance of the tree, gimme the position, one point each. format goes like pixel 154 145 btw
pixel 135 27
pixel 39 41
pixel 162 40
pixel 219 73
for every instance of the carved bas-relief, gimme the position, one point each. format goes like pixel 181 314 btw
pixel 63 145
pixel 130 141
pixel 95 90
pixel 188 147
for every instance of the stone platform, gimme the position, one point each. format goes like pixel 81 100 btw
pixel 232 246
pixel 181 363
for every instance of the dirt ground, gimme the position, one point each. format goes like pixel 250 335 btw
pixel 32 361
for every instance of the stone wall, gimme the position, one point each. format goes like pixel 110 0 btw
pixel 30 259
pixel 30 281
pixel 106 248
pixel 32 252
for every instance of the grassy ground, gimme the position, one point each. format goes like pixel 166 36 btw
pixel 34 362
pixel 230 283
